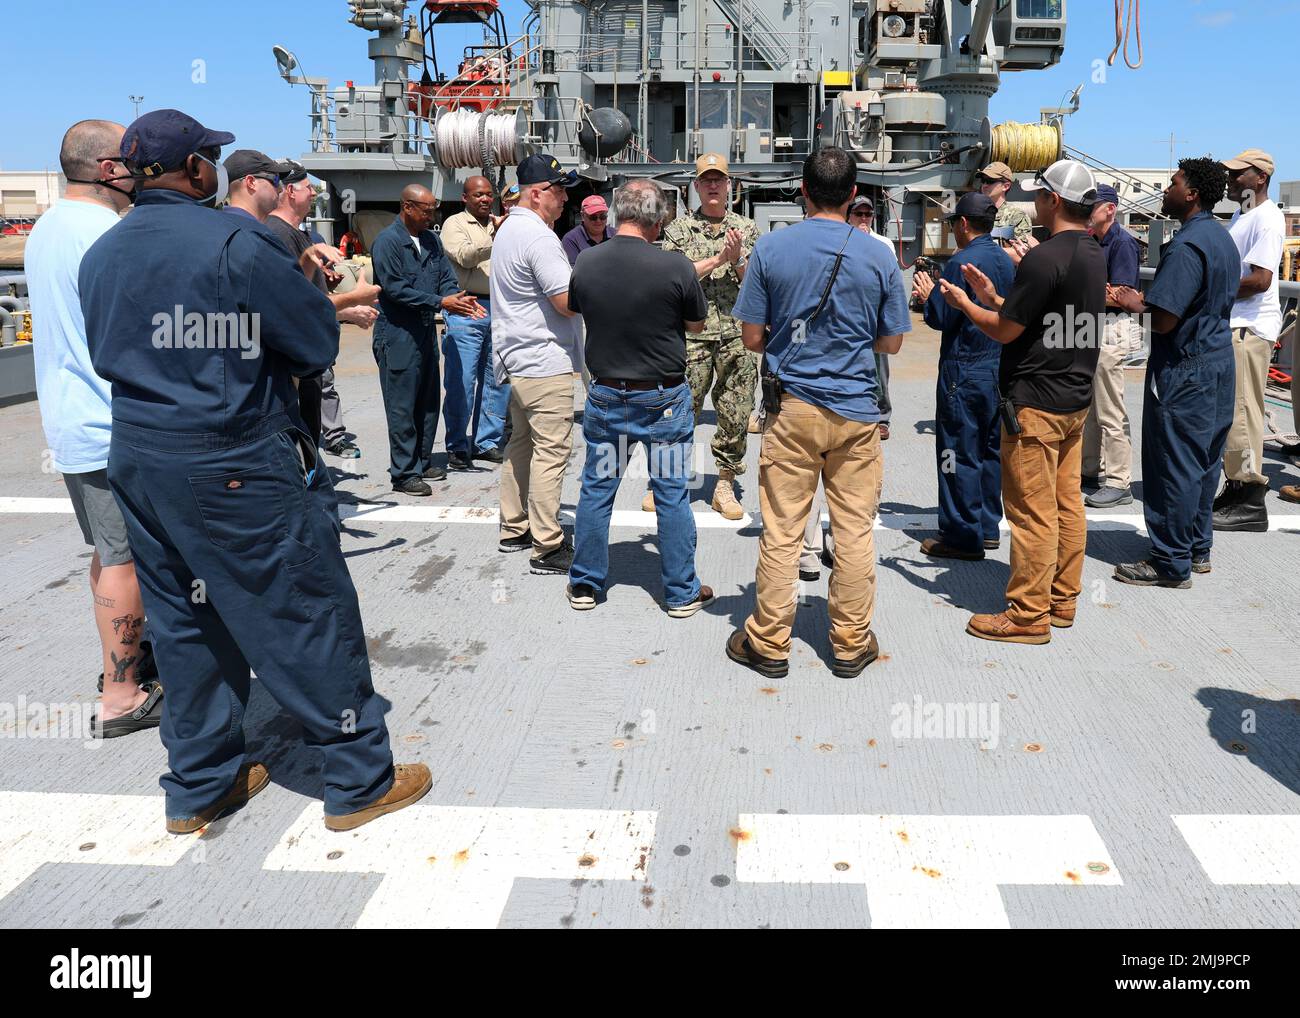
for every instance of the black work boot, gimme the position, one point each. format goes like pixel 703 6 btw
pixel 1230 495
pixel 1247 514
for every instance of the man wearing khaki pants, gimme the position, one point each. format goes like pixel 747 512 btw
pixel 1258 229
pixel 1107 448
pixel 535 347
pixel 831 296
pixel 1048 325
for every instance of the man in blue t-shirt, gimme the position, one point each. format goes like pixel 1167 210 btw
pixel 818 300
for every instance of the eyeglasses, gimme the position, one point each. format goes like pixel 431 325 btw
pixel 596 215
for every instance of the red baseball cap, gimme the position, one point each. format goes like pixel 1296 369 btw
pixel 593 204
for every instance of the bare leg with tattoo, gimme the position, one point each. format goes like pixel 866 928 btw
pixel 119 616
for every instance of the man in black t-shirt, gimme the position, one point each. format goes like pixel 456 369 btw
pixel 637 302
pixel 1050 325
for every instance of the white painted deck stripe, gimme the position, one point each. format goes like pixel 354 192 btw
pixel 924 871
pixel 454 866
pixel 57 827
pixel 1245 849
pixel 705 520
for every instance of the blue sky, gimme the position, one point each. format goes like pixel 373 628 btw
pixel 1219 74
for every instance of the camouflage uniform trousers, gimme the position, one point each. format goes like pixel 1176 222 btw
pixel 731 372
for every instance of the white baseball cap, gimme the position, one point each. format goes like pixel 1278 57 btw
pixel 1071 180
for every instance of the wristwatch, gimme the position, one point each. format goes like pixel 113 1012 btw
pixel 742 261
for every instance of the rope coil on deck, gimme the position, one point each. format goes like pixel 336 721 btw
pixel 463 137
pixel 1026 147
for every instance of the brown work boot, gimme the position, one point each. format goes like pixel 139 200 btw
pixel 1290 493
pixel 411 782
pixel 1062 617
pixel 250 780
pixel 724 496
pixel 648 503
pixel 1001 629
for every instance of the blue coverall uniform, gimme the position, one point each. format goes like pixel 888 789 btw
pixel 968 432
pixel 412 285
pixel 1190 392
pixel 235 532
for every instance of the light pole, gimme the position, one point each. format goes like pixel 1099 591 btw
pixel 137 99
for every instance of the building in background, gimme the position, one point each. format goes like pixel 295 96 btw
pixel 26 194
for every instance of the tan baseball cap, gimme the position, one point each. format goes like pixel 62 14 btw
pixel 997 171
pixel 1255 157
pixel 711 161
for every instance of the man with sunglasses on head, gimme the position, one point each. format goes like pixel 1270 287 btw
pixel 233 525
pixel 318 398
pixel 416 280
pixel 594 228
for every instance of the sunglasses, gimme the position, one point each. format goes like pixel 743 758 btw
pixel 596 215
pixel 864 213
pixel 270 178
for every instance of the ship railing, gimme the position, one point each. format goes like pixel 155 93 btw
pixel 617 52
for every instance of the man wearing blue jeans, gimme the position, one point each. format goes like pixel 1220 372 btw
pixel 637 302
pixel 474 399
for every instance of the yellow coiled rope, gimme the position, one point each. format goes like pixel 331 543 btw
pixel 1026 147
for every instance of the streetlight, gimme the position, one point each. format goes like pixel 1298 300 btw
pixel 137 99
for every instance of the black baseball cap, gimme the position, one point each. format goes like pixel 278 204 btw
pixel 544 169
pixel 160 141
pixel 247 162
pixel 974 205
pixel 296 172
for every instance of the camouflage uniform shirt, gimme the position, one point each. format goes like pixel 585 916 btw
pixel 697 238
pixel 1014 216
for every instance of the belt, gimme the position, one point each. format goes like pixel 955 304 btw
pixel 667 383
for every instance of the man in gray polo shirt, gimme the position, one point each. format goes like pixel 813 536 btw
pixel 535 348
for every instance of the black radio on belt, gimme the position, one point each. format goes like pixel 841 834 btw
pixel 1008 411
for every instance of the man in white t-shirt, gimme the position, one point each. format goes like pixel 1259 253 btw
pixel 76 413
pixel 535 349
pixel 1258 229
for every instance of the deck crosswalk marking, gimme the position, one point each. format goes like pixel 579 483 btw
pixel 923 872
pixel 1244 849
pixel 454 866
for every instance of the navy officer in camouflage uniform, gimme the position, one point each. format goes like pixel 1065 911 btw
pixel 718 242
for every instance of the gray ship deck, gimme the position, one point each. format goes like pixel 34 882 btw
pixel 613 769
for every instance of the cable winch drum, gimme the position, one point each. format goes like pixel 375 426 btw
pixel 1026 148
pixel 462 138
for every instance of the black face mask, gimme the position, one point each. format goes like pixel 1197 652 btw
pixel 108 181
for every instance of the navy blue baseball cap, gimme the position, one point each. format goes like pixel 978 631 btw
pixel 1106 193
pixel 544 169
pixel 974 205
pixel 161 141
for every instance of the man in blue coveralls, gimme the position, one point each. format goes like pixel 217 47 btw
pixel 200 321
pixel 968 431
pixel 1191 379
pixel 415 279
